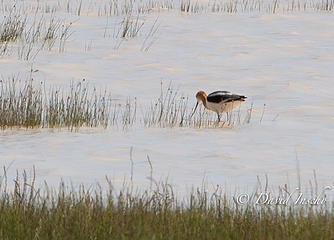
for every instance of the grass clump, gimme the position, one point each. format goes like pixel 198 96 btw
pixel 20 107
pixel 29 105
pixel 31 35
pixel 12 27
pixel 130 27
pixel 169 110
pixel 78 108
pixel 28 212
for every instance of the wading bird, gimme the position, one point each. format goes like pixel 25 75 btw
pixel 219 101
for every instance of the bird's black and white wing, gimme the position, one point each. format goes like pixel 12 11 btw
pixel 224 96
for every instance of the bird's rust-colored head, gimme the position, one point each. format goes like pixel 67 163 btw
pixel 201 96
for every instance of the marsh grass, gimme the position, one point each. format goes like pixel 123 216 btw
pixel 27 104
pixel 30 36
pixel 130 26
pixel 25 29
pixel 129 113
pixel 79 107
pixel 169 110
pixel 80 8
pixel 151 36
pixel 12 27
pixel 31 212
pixel 20 106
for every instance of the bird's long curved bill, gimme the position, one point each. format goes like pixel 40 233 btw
pixel 194 110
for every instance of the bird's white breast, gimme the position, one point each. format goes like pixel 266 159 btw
pixel 223 107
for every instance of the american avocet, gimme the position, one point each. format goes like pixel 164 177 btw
pixel 219 101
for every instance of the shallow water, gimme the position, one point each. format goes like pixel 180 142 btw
pixel 283 61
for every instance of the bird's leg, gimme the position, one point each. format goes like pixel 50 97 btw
pixel 227 116
pixel 218 117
